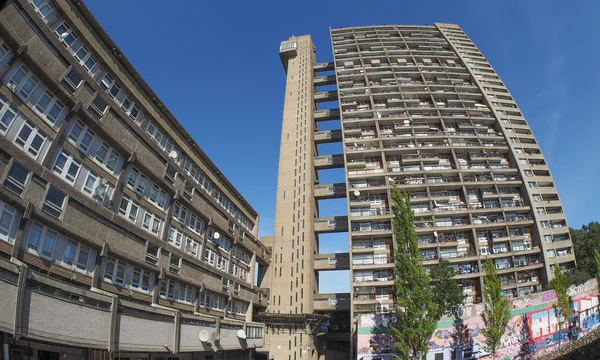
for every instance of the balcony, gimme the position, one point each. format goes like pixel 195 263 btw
pixel 337 261
pixel 325 115
pixel 368 228
pixel 329 162
pixel 328 136
pixel 332 224
pixel 332 302
pixel 324 80
pixel 326 66
pixel 325 96
pixel 330 191
pixel 372 261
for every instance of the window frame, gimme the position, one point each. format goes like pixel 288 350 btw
pixel 27 143
pixel 27 77
pixel 12 212
pixel 13 182
pixel 45 112
pixel 51 208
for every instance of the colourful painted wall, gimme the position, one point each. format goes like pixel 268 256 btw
pixel 531 332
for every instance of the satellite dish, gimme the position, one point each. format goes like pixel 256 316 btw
pixel 203 335
pixel 64 35
pixel 216 336
pixel 241 334
pixel 216 235
pixel 391 180
pixel 174 154
pixel 356 193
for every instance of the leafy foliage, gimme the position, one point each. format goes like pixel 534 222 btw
pixel 597 258
pixel 447 295
pixel 559 285
pixel 416 312
pixel 495 312
pixel 585 241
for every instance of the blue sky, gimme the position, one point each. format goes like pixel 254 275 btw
pixel 215 64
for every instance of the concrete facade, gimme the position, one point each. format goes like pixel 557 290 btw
pixel 419 107
pixel 119 236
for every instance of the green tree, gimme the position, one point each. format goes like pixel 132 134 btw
pixel 597 273
pixel 585 241
pixel 447 295
pixel 561 308
pixel 495 309
pixel 416 313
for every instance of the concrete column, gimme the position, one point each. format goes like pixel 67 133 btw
pixel 21 285
pixel 112 333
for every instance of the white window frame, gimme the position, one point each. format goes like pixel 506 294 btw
pixel 155 133
pixel 40 5
pixel 210 257
pixel 84 57
pixel 64 171
pixel 175 237
pixel 80 141
pixel 130 107
pixel 42 248
pixel 167 289
pixel 6 225
pixel 131 210
pixel 111 271
pixel 71 36
pixel 104 161
pixel 151 222
pixel 4 50
pixel 158 197
pixel 8 115
pixel 19 86
pixel 144 281
pixel 136 181
pixel 46 112
pixel 109 83
pixel 196 224
pixel 27 143
pixel 191 246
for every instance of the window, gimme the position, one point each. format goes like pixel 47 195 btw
pixel 545 224
pixel 547 238
pixel 151 222
pixel 49 107
pixel 8 113
pixel 7 216
pixel 540 211
pixel 171 173
pixel 532 185
pixel 81 136
pixel 31 139
pixel 67 167
pixel 4 50
pixel 86 59
pixel 130 108
pixel 142 279
pixel 114 271
pixel 23 82
pixel 167 289
pixel 191 246
pixel 175 237
pixel 109 84
pixel 98 107
pixel 137 181
pixel 42 7
pixel 185 293
pixel 129 208
pixel 179 213
pixel 174 263
pixel 16 178
pixel 55 200
pixel 537 197
pixel 209 257
pixel 528 173
pixel 196 224
pixel 42 240
pixel 222 263
pixel 65 35
pixel 551 253
pixel 158 197
pixel 72 81
pixel 153 131
pixel 107 157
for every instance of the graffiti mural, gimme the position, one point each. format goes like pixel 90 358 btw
pixel 532 331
